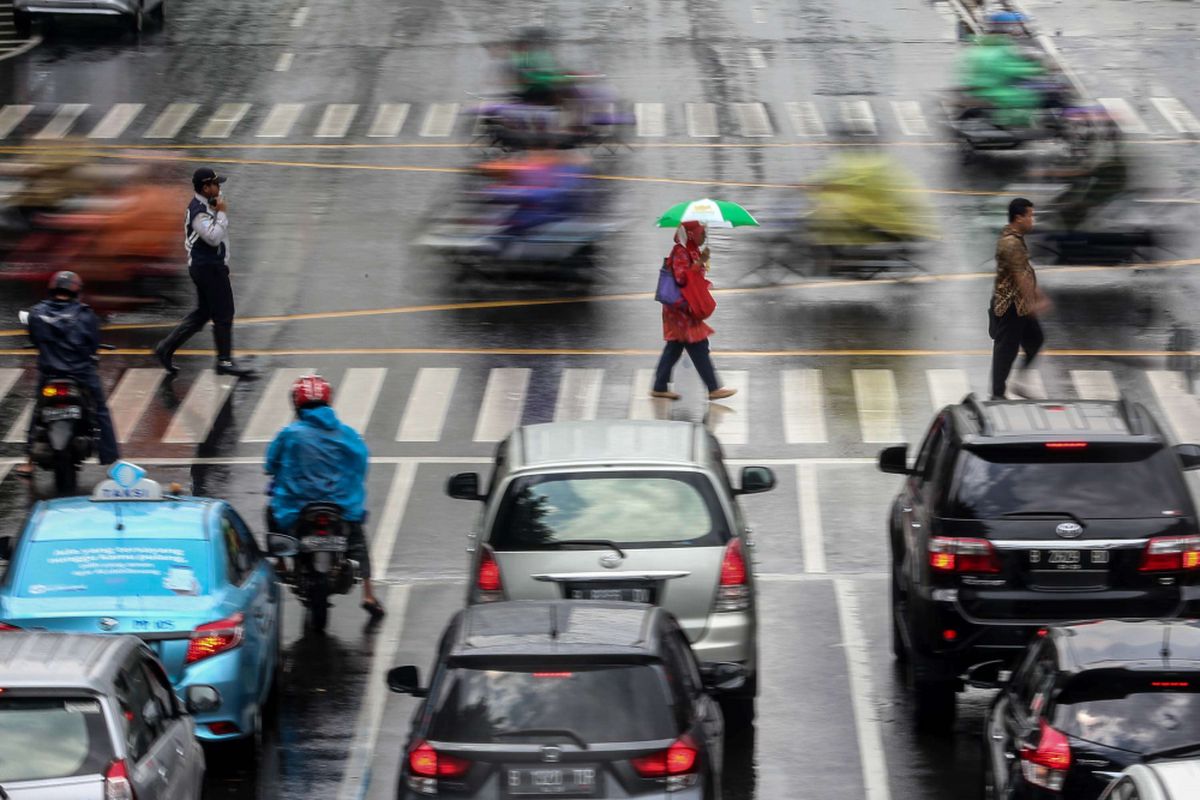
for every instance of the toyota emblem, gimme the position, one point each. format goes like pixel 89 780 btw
pixel 551 754
pixel 611 560
pixel 108 623
pixel 1069 530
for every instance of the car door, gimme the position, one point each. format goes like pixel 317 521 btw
pixel 150 752
pixel 239 574
pixel 262 597
pixel 917 499
pixel 704 708
pixel 181 760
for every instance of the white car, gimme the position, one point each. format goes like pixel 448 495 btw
pixel 1174 779
pixel 134 12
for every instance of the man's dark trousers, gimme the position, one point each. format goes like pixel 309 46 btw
pixel 106 448
pixel 214 301
pixel 1010 333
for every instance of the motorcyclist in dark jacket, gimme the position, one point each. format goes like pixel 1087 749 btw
pixel 67 335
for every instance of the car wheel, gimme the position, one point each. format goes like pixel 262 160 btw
pixel 246 751
pixel 899 651
pixel 934 704
pixel 23 23
pixel 989 778
pixel 739 711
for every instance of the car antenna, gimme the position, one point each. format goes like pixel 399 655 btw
pixel 120 516
pixel 554 623
pixel 1166 648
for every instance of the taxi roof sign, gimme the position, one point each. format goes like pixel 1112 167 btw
pixel 127 481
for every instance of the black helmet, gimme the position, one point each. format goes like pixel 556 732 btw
pixel 66 281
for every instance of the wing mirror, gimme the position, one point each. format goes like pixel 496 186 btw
pixel 281 545
pixel 756 479
pixel 723 676
pixel 406 680
pixel 894 460
pixel 464 486
pixel 989 675
pixel 200 699
pixel 1189 455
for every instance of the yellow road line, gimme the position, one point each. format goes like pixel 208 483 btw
pixel 881 352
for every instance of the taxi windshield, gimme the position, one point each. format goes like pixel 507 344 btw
pixel 83 568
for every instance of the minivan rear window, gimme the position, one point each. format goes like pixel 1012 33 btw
pixel 48 738
pixel 1085 483
pixel 658 508
pixel 1142 712
pixel 81 568
pixel 619 703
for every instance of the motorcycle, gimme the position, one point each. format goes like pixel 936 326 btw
pixel 317 546
pixel 588 117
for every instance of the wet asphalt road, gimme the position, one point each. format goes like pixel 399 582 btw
pixel 324 225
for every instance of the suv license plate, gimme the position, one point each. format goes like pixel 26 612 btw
pixel 1063 557
pixel 58 414
pixel 569 781
pixel 619 593
pixel 312 544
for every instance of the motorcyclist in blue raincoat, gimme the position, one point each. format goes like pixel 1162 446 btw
pixel 319 459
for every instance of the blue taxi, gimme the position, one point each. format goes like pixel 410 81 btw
pixel 182 573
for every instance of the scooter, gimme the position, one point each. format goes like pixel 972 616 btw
pixel 317 546
pixel 1061 119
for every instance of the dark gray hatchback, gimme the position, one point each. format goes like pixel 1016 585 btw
pixel 579 699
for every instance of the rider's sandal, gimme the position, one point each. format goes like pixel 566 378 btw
pixel 374 608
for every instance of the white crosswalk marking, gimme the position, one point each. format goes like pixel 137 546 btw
pixel 199 410
pixel 274 408
pixel 62 121
pixel 1095 384
pixel 439 120
pixel 354 398
pixel 947 386
pixel 753 120
pixel 425 413
pixel 118 118
pixel 19 431
pixel 1176 113
pixel 503 402
pixel 222 123
pixel 336 120
pixel 728 419
pixel 1033 378
pixel 803 407
pixel 129 400
pixel 858 117
pixel 280 120
pixel 285 62
pixel 651 119
pixel 171 121
pixel 909 118
pixel 701 119
pixel 11 117
pixel 878 405
pixel 641 404
pixel 806 120
pixel 1123 114
pixel 389 119
pixel 8 379
pixel 578 394
pixel 1181 407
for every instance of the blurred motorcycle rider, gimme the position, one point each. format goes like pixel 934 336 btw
pixel 535 70
pixel 67 335
pixel 319 459
pixel 996 73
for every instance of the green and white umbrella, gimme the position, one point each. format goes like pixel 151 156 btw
pixel 716 213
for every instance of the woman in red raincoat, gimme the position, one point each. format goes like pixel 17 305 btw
pixel 683 325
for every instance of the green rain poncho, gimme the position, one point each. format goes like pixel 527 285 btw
pixel 993 70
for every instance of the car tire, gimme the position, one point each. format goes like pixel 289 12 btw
pixel 739 712
pixel 899 651
pixel 934 703
pixel 23 23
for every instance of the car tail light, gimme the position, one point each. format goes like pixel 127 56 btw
pixel 425 762
pixel 949 555
pixel 1046 765
pixel 733 593
pixel 4 626
pixel 487 580
pixel 1171 553
pixel 223 728
pixel 678 759
pixel 116 782
pixel 215 637
pixel 1066 445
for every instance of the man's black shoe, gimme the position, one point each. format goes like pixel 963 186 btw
pixel 166 359
pixel 231 367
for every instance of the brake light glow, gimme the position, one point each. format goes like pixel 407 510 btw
pixel 425 762
pixel 488 581
pixel 116 782
pixel 1170 684
pixel 212 638
pixel 1171 554
pixel 554 674
pixel 733 593
pixel 678 759
pixel 1066 445
pixel 949 634
pixel 1046 765
pixel 951 555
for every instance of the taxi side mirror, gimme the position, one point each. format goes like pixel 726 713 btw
pixel 756 479
pixel 1189 455
pixel 6 543
pixel 464 486
pixel 406 680
pixel 894 460
pixel 281 545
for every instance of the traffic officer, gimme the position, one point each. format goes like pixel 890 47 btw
pixel 206 239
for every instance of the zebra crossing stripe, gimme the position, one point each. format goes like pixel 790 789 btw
pixel 11 117
pixel 1180 406
pixel 62 121
pixel 701 119
pixel 1176 113
pixel 803 406
pixel 389 119
pixel 641 404
pixel 439 120
pixel 578 395
pixel 947 386
pixel 428 404
pixel 195 416
pixel 806 120
pixel 130 399
pixel 909 118
pixel 1095 384
pixel 19 431
pixel 878 405
pixel 503 402
pixel 222 123
pixel 274 408
pixel 859 118
pixel 355 397
pixel 754 120
pixel 118 118
pixel 280 120
pixel 336 120
pixel 171 121
pixel 651 119
pixel 1124 115
pixel 728 419
pixel 8 379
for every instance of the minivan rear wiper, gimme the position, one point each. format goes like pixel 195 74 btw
pixel 1174 752
pixel 592 543
pixel 1066 514
pixel 567 732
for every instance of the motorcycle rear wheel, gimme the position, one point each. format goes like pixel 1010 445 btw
pixel 318 604
pixel 65 476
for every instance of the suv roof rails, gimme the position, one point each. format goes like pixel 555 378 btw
pixel 972 402
pixel 1129 411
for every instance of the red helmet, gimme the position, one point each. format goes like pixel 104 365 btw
pixel 311 390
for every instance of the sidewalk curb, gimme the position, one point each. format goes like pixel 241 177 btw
pixel 33 42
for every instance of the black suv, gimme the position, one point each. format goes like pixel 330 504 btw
pixel 574 698
pixel 1017 515
pixel 1087 701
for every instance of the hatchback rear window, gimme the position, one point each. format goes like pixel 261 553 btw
pixel 48 738
pixel 660 508
pixel 588 704
pixel 80 568
pixel 1087 483
pixel 1139 712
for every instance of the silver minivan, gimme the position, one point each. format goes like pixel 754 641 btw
pixel 638 511
pixel 91 717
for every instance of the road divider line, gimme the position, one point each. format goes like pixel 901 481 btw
pixel 168 124
pixel 578 395
pixel 428 403
pixel 118 118
pixel 204 402
pixel 1095 384
pixel 863 699
pixel 130 399
pixel 878 405
pixel 274 408
pixel 356 395
pixel 812 533
pixel 503 403
pixel 388 531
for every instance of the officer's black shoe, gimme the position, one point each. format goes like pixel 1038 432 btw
pixel 166 359
pixel 231 367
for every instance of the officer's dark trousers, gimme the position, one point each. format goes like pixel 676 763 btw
pixel 1011 333
pixel 214 301
pixel 107 446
